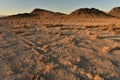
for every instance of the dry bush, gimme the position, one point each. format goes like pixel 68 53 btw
pixel 92 26
pixel 90 76
pixel 117 26
pixel 26 34
pixel 74 68
pixel 53 25
pixel 77 28
pixel 59 34
pixel 48 25
pixel 78 60
pixel 17 31
pixel 110 29
pixel 17 26
pixel 1 36
pixel 84 27
pixel 97 77
pixel 49 67
pixel 61 28
pixel 114 32
pixel 88 33
pixel 95 36
pixel 103 28
pixel 53 33
pixel 45 47
pixel 65 62
pixel 23 25
pixel 105 49
pixel 71 38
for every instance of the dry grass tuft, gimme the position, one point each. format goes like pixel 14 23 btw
pixel 61 28
pixel 97 77
pixel 105 49
pixel 110 29
pixel 20 26
pixel 45 47
pixel 74 68
pixel 95 36
pixel 26 34
pixel 77 28
pixel 65 62
pixel 114 32
pixel 49 67
pixel 1 36
pixel 103 28
pixel 88 33
pixel 78 60
pixel 89 75
pixel 53 33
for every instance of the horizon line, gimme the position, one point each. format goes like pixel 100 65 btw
pixel 65 12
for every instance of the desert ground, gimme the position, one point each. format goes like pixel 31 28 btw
pixel 59 49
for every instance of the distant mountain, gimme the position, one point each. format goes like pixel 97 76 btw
pixel 46 13
pixel 89 13
pixel 37 13
pixel 79 13
pixel 115 12
pixel 1 15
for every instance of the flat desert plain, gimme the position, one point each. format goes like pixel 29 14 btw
pixel 61 48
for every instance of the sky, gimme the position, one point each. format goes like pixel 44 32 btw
pixel 9 7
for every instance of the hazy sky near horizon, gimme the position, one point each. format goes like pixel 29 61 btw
pixel 8 7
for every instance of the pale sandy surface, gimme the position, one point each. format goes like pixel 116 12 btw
pixel 55 49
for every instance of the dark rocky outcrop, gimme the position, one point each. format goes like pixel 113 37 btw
pixel 46 13
pixel 115 12
pixel 89 13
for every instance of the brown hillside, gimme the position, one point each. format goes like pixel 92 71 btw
pixel 88 13
pixel 115 12
pixel 46 13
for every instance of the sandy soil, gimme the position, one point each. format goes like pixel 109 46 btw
pixel 62 49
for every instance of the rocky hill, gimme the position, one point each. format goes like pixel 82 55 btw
pixel 89 12
pixel 37 13
pixel 115 12
pixel 46 13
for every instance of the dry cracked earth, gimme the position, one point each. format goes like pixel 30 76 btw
pixel 33 49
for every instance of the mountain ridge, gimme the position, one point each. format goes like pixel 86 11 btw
pixel 115 12
pixel 89 12
pixel 80 13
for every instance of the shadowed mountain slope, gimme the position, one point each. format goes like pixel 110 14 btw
pixel 88 13
pixel 46 13
pixel 115 12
